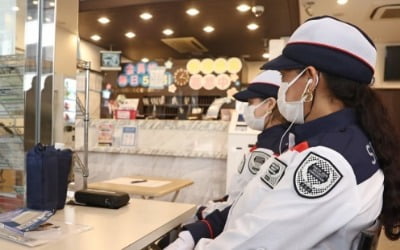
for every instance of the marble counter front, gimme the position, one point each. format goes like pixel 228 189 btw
pixel 181 138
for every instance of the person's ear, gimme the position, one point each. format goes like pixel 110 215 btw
pixel 270 104
pixel 313 77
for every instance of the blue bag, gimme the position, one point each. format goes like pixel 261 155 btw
pixel 47 172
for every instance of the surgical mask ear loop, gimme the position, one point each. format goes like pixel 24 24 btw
pixel 283 136
pixel 297 113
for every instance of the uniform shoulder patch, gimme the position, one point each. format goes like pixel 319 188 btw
pixel 257 158
pixel 273 173
pixel 315 177
pixel 241 165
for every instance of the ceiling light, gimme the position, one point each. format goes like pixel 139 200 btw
pixel 51 4
pixel 35 2
pixel 208 29
pixel 342 2
pixel 29 18
pixel 146 16
pixel 168 32
pixel 265 55
pixel 145 59
pixel 95 37
pixel 243 8
pixel 47 20
pixel 103 20
pixel 15 8
pixel 192 11
pixel 252 26
pixel 130 34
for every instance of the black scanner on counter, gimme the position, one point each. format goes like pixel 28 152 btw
pixel 101 198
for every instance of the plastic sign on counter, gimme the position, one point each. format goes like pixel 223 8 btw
pixel 105 134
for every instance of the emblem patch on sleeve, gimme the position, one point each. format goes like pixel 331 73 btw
pixel 274 173
pixel 241 165
pixel 257 158
pixel 315 177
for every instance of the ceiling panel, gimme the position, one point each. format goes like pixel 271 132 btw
pixel 230 38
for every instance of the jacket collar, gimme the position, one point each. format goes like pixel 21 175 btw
pixel 332 122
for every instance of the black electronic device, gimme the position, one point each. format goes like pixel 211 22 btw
pixel 101 198
pixel 392 62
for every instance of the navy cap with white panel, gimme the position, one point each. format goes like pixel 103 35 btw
pixel 332 46
pixel 264 85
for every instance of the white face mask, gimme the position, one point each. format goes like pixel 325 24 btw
pixel 292 111
pixel 256 123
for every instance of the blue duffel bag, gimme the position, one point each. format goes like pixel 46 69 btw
pixel 47 171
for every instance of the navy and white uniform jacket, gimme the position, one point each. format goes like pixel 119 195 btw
pixel 215 213
pixel 267 145
pixel 318 195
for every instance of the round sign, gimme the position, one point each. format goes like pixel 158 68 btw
pixel 144 80
pixel 129 69
pixel 234 65
pixel 122 81
pixel 193 66
pixel 223 81
pixel 207 66
pixel 209 81
pixel 134 80
pixel 220 65
pixel 195 82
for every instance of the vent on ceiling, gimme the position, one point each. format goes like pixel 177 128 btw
pixel 185 45
pixel 386 12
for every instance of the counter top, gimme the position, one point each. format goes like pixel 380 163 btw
pixel 131 227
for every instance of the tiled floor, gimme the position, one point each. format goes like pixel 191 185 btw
pixel 385 244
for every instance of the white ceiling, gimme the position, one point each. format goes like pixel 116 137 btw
pixel 358 12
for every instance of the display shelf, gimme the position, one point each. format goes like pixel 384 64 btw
pixel 12 102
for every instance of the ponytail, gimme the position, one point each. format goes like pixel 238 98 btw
pixel 374 120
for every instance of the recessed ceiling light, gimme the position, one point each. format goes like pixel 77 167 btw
pixel 243 7
pixel 146 16
pixel 95 37
pixel 51 4
pixel 130 34
pixel 342 2
pixel 252 26
pixel 266 55
pixel 192 11
pixel 103 20
pixel 29 18
pixel 208 29
pixel 168 32
pixel 35 2
pixel 15 8
pixel 145 59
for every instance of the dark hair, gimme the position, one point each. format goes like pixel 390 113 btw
pixel 375 122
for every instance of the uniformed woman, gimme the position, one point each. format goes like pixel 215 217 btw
pixel 260 113
pixel 343 173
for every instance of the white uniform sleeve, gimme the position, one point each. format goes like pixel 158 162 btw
pixel 313 197
pixel 247 169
